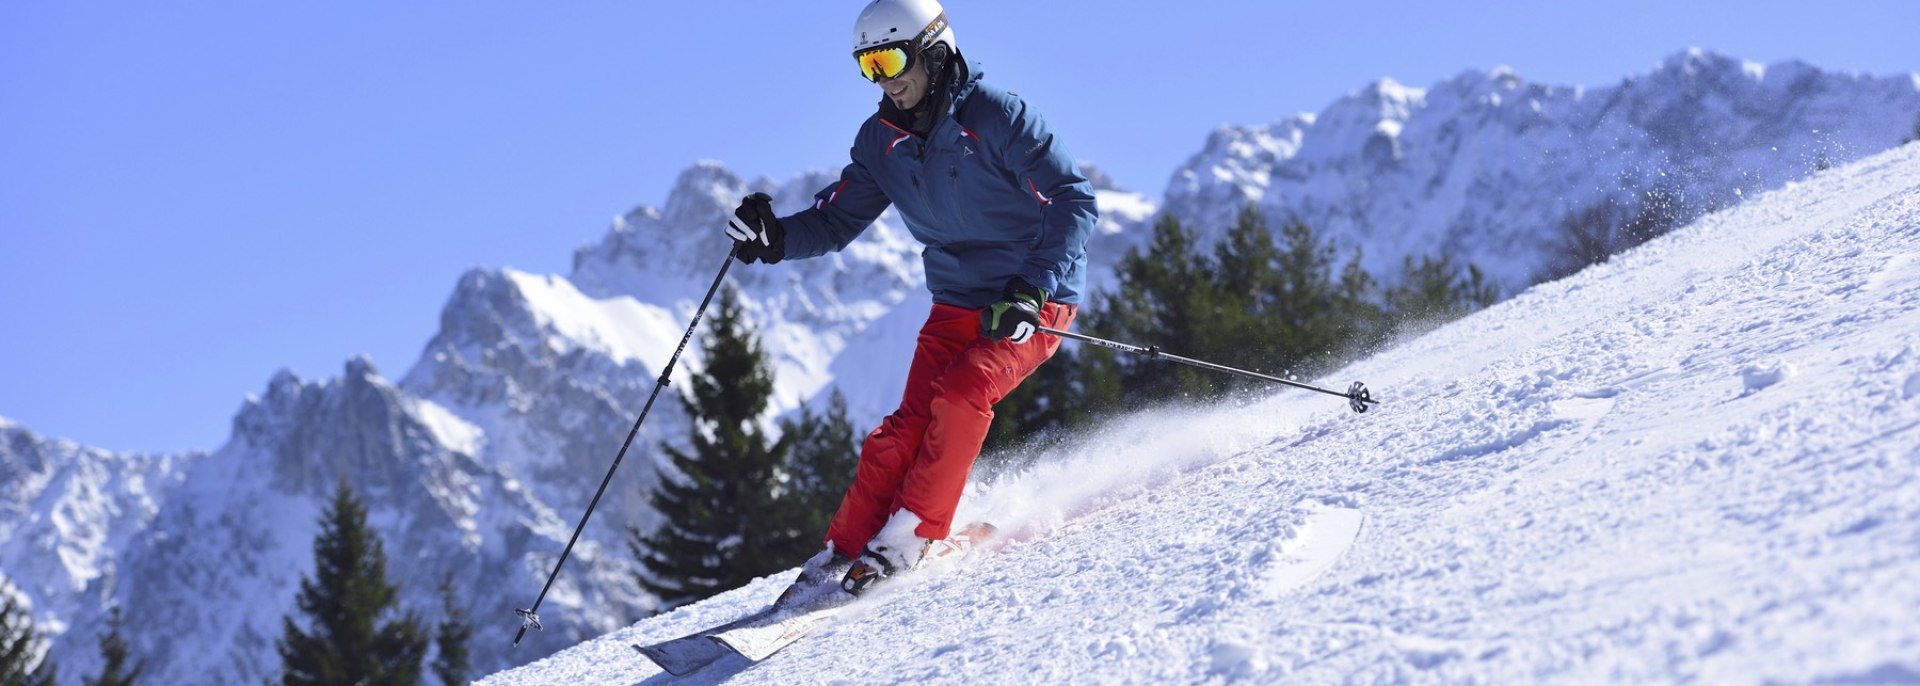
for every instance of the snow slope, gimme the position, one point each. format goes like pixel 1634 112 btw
pixel 1696 462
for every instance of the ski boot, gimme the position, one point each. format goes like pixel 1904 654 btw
pixel 818 575
pixel 895 550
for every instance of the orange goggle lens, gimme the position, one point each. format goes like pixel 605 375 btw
pixel 886 62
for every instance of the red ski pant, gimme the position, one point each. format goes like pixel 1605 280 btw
pixel 919 457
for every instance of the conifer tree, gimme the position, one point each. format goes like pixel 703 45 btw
pixel 114 653
pixel 1245 302
pixel 721 525
pixel 451 663
pixel 1359 321
pixel 18 641
pixel 346 639
pixel 1306 296
pixel 1274 306
pixel 1436 291
pixel 1163 298
pixel 1261 300
pixel 821 454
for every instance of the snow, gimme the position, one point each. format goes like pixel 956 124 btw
pixel 1696 462
pixel 623 328
pixel 458 435
pixel 65 511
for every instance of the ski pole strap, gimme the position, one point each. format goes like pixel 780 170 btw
pixel 1357 395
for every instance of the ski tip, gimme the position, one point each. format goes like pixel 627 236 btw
pixel 680 662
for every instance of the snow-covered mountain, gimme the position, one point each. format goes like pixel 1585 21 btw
pixel 480 458
pixel 1699 462
pixel 1486 165
pixel 66 512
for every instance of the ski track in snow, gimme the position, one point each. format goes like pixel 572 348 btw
pixel 1696 462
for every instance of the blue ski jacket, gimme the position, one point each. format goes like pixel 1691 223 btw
pixel 989 190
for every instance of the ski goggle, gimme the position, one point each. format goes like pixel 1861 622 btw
pixel 890 60
pixel 885 62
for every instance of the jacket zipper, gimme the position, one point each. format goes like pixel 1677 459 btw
pixel 959 218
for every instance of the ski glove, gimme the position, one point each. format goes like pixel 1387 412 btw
pixel 756 232
pixel 1016 316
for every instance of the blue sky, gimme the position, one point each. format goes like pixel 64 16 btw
pixel 195 195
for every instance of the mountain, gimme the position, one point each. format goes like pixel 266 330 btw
pixel 219 565
pixel 1486 166
pixel 478 460
pixel 66 513
pixel 1695 463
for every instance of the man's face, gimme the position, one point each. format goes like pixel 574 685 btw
pixel 907 90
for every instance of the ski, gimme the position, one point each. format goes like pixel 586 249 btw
pixel 687 654
pixel 692 652
pixel 760 639
pixel 759 635
pixel 684 655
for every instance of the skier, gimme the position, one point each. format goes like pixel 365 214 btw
pixel 1004 214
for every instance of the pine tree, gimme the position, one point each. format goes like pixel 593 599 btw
pixel 721 523
pixel 451 663
pixel 1162 301
pixel 1245 303
pixel 113 651
pixel 821 453
pixel 1435 291
pixel 18 642
pixel 1257 303
pixel 1359 320
pixel 1306 297
pixel 346 641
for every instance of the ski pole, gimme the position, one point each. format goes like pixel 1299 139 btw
pixel 1356 395
pixel 530 617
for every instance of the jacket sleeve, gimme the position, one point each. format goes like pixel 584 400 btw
pixel 1048 176
pixel 840 212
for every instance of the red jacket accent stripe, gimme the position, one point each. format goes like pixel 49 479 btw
pixel 1036 193
pixel 904 134
pixel 835 194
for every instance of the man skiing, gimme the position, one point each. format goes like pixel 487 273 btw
pixel 1004 214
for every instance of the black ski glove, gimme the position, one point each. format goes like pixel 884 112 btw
pixel 1016 316
pixel 756 232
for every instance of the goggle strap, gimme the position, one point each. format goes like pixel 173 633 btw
pixel 934 28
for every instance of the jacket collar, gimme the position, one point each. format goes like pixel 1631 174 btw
pixel 959 82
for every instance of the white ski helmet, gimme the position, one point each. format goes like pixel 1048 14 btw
pixel 920 24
